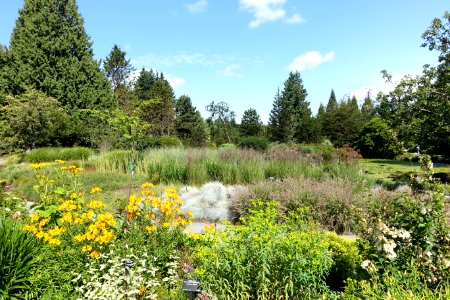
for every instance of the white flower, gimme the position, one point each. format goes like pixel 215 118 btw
pixel 391 255
pixel 423 210
pixel 429 254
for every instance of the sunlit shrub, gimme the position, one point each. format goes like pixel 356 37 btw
pixel 264 259
pixel 402 228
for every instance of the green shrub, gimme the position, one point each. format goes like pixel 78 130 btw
pixel 408 157
pixel 265 259
pixel 18 252
pixel 227 146
pixel 346 260
pixel 165 141
pixel 378 140
pixel 52 154
pixel 399 229
pixel 254 142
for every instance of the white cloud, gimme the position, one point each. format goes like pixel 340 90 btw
pixel 175 81
pixel 380 85
pixel 268 11
pixel 294 19
pixel 197 7
pixel 310 60
pixel 169 60
pixel 231 71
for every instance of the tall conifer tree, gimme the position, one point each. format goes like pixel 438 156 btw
pixel 51 52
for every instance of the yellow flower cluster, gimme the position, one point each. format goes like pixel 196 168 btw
pixel 37 228
pixel 39 165
pixel 72 169
pixel 155 212
pixel 90 225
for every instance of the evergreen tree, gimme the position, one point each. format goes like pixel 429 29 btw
pixel 189 125
pixel 294 98
pixel 280 121
pixel 51 52
pixel 330 122
pixel 251 124
pixel 368 108
pixel 157 102
pixel 117 68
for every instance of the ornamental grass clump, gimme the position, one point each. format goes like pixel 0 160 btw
pixel 267 256
pixel 18 257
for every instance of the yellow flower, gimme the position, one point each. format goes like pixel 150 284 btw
pixel 34 218
pixel 96 204
pixel 43 222
pixel 59 161
pixel 150 228
pixel 67 218
pixel 95 190
pixel 209 228
pixel 54 242
pixel 166 224
pixel 190 215
pixel 194 236
pixel 95 254
pixel 147 185
pixel 39 165
pixel 79 238
pixel 86 248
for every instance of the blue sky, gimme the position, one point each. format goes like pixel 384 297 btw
pixel 241 51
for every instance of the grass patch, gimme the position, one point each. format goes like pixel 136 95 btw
pixel 382 171
pixel 52 154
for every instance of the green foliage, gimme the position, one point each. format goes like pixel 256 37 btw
pixel 378 140
pixel 394 284
pixel 51 52
pixel 18 251
pixel 334 202
pixel 404 229
pixel 251 124
pixel 221 123
pixel 33 120
pixel 189 124
pixel 117 68
pixel 157 102
pixel 290 117
pixel 346 260
pixel 263 258
pixel 165 141
pixel 54 153
pixel 254 142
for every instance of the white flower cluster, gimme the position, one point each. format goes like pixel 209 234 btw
pixel 119 278
pixel 386 240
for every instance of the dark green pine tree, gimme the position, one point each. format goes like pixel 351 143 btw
pixel 189 124
pixel 280 127
pixel 329 121
pixel 117 68
pixel 157 102
pixel 368 108
pixel 3 82
pixel 51 52
pixel 294 97
pixel 251 124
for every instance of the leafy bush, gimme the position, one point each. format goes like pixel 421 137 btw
pixel 165 141
pixel 227 146
pixel 254 142
pixel 408 157
pixel 264 259
pixel 52 154
pixel 346 260
pixel 378 140
pixel 401 229
pixel 18 252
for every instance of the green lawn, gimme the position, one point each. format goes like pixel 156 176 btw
pixel 381 170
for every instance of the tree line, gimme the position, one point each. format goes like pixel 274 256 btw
pixel 54 93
